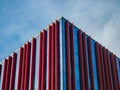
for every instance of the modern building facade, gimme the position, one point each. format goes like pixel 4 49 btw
pixel 61 57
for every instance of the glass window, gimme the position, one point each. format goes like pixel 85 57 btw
pixel 37 48
pixel 75 32
pixel 17 67
pixel 94 65
pixel 77 72
pixel 1 74
pixel 76 46
pixel 76 59
pixel 77 85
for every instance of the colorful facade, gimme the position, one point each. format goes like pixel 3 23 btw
pixel 61 57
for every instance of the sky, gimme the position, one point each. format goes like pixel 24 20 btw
pixel 20 20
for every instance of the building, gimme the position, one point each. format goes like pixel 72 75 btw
pixel 61 57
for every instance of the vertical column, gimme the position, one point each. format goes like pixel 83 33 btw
pixel 44 55
pixel 81 63
pixel 27 66
pixel 106 69
pixel 40 62
pixel 109 69
pixel 72 58
pixel 57 57
pixel 20 69
pixel 68 58
pixel 4 74
pixel 98 66
pixel 53 59
pixel 85 61
pixel 119 80
pixel 116 71
pixel 49 56
pixel 13 69
pixel 90 63
pixel 0 72
pixel 8 72
pixel 103 68
pixel 32 74
pixel 113 71
pixel 23 67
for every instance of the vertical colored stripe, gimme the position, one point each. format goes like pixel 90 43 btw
pixel 53 59
pixel 109 69
pixel 57 57
pixel 4 74
pixel 72 58
pixel 13 69
pixel 98 66
pixel 44 55
pixel 82 75
pixel 27 66
pixel 113 71
pixel 20 69
pixel 85 61
pixel 106 69
pixel 90 63
pixel 103 68
pixel 116 71
pixel 40 62
pixel 49 56
pixel 23 67
pixel 68 68
pixel 8 72
pixel 0 73
pixel 32 74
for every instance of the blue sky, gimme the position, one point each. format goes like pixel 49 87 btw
pixel 22 19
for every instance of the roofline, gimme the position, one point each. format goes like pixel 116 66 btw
pixel 46 29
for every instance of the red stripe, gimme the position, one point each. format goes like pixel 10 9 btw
pixel 20 69
pixel 116 71
pixel 44 55
pixel 7 81
pixel 13 69
pixel 72 58
pixel 4 74
pixel 106 68
pixel 23 67
pixel 98 66
pixel 85 62
pixel 27 66
pixel 109 70
pixel 0 71
pixel 40 61
pixel 113 72
pixel 57 57
pixel 32 74
pixel 49 57
pixel 68 71
pixel 81 63
pixel 90 63
pixel 119 76
pixel 103 68
pixel 53 59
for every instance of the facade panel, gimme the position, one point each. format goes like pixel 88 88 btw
pixel 61 57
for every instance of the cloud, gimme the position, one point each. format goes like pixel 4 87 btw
pixel 111 34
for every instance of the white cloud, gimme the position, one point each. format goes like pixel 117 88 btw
pixel 111 34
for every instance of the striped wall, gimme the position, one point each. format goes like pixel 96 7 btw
pixel 61 57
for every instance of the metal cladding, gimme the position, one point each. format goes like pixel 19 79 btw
pixel 61 57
